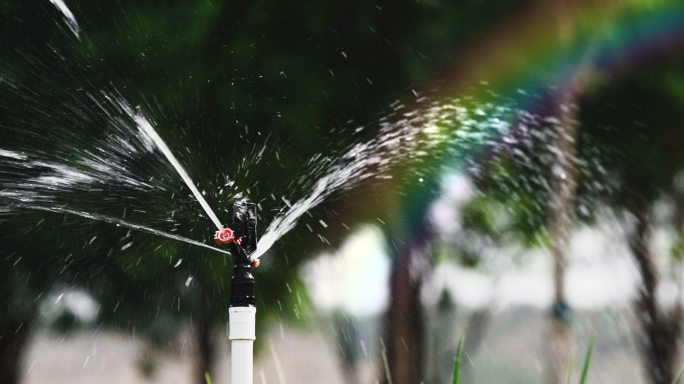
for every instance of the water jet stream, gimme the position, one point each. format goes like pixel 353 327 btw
pixel 145 126
pixel 120 222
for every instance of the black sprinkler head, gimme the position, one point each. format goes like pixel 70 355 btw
pixel 241 237
pixel 243 221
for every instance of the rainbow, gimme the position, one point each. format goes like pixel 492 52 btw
pixel 549 45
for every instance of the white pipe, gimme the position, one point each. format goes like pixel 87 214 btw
pixel 242 333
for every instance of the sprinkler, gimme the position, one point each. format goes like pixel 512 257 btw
pixel 241 238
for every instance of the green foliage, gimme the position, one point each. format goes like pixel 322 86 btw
pixel 641 145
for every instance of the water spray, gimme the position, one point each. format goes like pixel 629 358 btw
pixel 241 238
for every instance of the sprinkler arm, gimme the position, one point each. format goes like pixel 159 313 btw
pixel 241 238
pixel 227 237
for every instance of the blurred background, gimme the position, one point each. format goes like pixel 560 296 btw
pixel 506 172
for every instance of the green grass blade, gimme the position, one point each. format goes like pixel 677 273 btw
pixel 587 360
pixel 459 358
pixel 679 376
pixel 208 378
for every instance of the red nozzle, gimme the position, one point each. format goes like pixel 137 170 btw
pixel 256 263
pixel 224 237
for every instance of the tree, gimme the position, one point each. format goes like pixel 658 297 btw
pixel 644 163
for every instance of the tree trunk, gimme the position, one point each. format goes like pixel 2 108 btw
pixel 560 223
pixel 13 338
pixel 661 330
pixel 403 341
pixel 561 218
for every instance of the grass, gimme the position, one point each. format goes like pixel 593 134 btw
pixel 585 367
pixel 459 358
pixel 587 360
